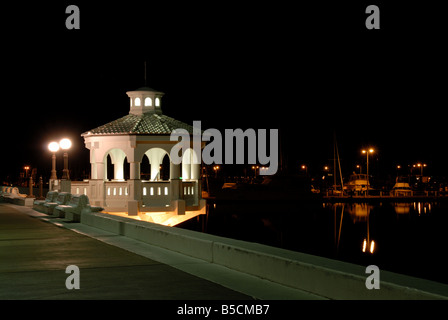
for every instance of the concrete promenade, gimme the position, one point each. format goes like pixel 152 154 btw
pixel 36 249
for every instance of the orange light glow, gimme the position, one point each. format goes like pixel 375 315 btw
pixel 169 219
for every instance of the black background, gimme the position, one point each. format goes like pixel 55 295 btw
pixel 306 69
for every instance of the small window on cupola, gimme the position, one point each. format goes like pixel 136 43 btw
pixel 137 102
pixel 157 102
pixel 148 102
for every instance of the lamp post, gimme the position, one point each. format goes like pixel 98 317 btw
pixel 65 144
pixel 26 171
pixel 421 167
pixel 367 154
pixel 53 147
pixel 304 167
pixel 255 170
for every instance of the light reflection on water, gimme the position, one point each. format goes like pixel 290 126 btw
pixel 360 213
pixel 405 238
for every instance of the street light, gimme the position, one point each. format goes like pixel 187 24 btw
pixel 216 168
pixel 53 147
pixel 255 170
pixel 305 167
pixel 65 144
pixel 367 155
pixel 26 171
pixel 421 167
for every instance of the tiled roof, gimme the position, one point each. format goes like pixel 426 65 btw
pixel 147 123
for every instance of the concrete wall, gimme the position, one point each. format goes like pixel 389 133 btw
pixel 321 276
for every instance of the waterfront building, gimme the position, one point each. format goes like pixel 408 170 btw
pixel 145 131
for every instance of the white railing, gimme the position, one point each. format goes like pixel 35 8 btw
pixel 153 193
pixel 80 187
pixel 117 193
pixel 189 192
pixel 156 193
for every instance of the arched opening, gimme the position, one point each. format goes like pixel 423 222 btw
pixel 145 169
pixel 165 168
pixel 126 169
pixel 148 102
pixel 115 165
pixel 109 175
pixel 159 164
pixel 137 102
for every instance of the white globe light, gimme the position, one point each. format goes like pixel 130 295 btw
pixel 65 144
pixel 53 146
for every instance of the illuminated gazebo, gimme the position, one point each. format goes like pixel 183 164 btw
pixel 124 142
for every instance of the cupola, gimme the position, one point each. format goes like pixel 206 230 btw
pixel 145 100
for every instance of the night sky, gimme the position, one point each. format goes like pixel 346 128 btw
pixel 307 70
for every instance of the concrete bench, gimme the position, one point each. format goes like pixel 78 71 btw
pixel 12 195
pixel 5 190
pixel 62 199
pixel 38 205
pixel 79 204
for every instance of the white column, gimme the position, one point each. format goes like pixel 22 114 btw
pixel 186 171
pixel 175 183
pixel 134 173
pixel 100 171
pixel 93 171
pixel 196 171
pixel 174 171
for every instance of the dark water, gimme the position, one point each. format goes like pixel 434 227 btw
pixel 409 238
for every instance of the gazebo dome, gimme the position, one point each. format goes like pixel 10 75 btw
pixel 143 124
pixel 145 117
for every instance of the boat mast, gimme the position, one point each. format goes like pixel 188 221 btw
pixel 334 160
pixel 340 170
pixel 336 152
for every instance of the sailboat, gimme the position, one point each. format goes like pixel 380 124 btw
pixel 337 189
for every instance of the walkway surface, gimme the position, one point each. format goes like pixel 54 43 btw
pixel 35 251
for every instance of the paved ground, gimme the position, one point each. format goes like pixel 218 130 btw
pixel 35 250
pixel 34 255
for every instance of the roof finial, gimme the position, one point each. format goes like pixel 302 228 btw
pixel 146 83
